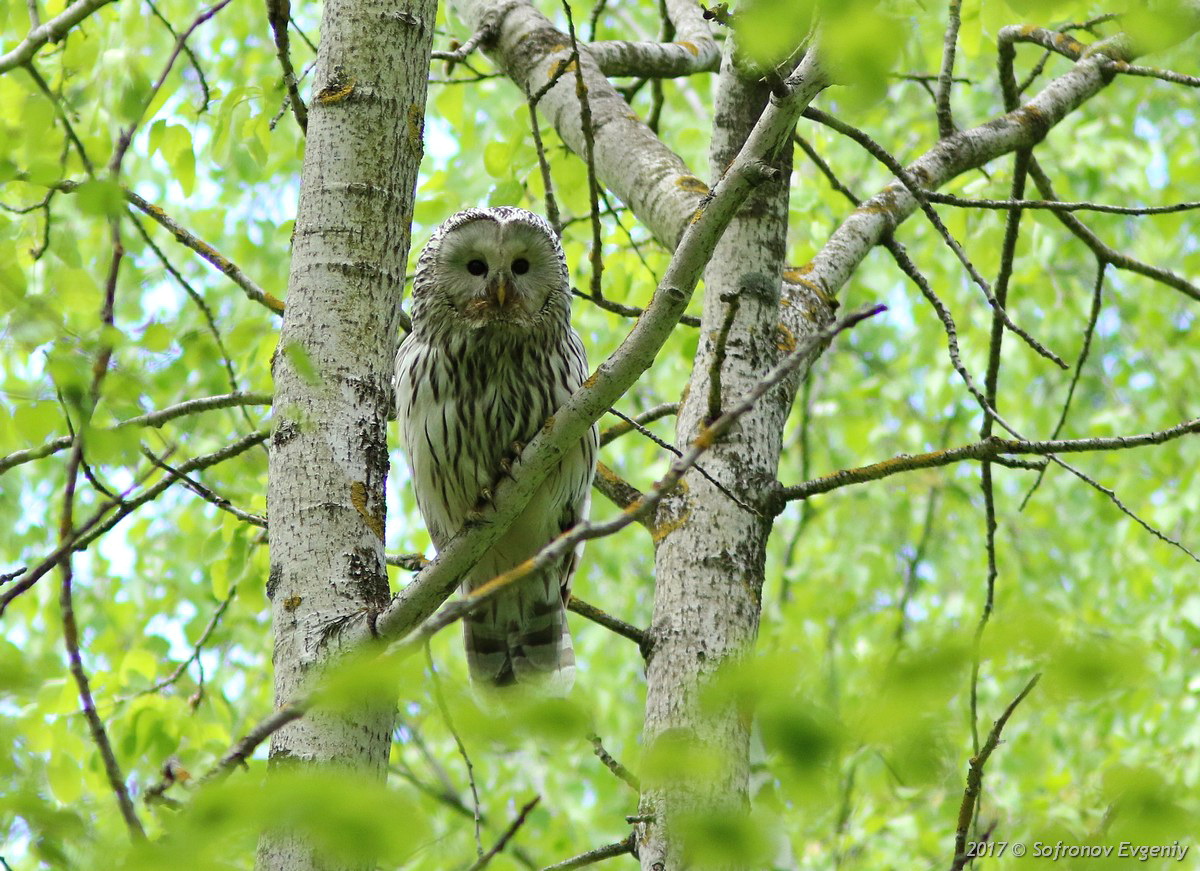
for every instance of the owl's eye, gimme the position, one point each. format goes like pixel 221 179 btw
pixel 520 266
pixel 477 267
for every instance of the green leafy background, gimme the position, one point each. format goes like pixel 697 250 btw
pixel 863 734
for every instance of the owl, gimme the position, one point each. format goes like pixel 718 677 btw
pixel 490 357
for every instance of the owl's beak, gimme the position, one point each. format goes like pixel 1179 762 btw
pixel 499 291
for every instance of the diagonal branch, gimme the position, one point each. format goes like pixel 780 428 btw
pixel 969 149
pixel 52 31
pixel 152 418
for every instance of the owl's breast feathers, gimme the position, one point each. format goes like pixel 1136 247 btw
pixel 463 404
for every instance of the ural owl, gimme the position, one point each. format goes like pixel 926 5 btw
pixel 491 356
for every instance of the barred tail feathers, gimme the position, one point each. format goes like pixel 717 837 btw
pixel 522 637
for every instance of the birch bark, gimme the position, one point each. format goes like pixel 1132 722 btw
pixel 711 549
pixel 329 457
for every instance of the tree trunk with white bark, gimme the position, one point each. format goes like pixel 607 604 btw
pixel 329 458
pixel 712 549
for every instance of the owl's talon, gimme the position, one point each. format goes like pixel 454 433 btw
pixel 516 449
pixel 506 467
pixel 485 497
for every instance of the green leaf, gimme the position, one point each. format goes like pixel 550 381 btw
pixel 100 198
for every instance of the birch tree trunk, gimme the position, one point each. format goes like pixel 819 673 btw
pixel 329 458
pixel 712 550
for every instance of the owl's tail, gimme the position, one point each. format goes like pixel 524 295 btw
pixel 522 637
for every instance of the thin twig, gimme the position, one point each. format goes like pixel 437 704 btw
pixel 945 118
pixel 125 138
pixel 66 534
pixel 191 56
pixel 1117 258
pixel 629 424
pixel 904 177
pixel 603 618
pixel 197 647
pixel 487 857
pixel 700 470
pixel 613 765
pixel 589 156
pixel 591 857
pixel 629 311
pixel 1056 205
pixel 552 214
pixel 1088 333
pixel 444 709
pixel 63 116
pixel 992 449
pixel 198 300
pixel 278 14
pixel 966 810
pixel 241 751
pixel 207 494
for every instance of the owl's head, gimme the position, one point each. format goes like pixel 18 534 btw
pixel 499 268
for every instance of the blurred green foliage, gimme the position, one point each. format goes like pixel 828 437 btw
pixel 862 737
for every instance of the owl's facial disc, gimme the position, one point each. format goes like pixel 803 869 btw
pixel 499 274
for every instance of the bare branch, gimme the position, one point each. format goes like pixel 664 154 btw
pixel 946 75
pixel 591 612
pixel 241 751
pixel 591 857
pixel 52 31
pixel 487 857
pixel 694 51
pixel 278 15
pixel 991 449
pixel 153 418
pixel 966 810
